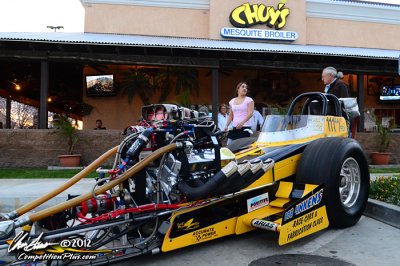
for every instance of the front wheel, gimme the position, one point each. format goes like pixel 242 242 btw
pixel 339 164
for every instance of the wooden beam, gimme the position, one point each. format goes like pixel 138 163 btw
pixel 215 92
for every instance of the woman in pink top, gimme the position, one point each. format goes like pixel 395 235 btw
pixel 242 108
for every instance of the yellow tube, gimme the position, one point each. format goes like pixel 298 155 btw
pixel 75 201
pixel 87 170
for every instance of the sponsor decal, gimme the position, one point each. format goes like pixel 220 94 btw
pixel 189 225
pixel 266 225
pixel 25 248
pixel 308 203
pixel 257 202
pixel 305 225
pixel 312 200
pixel 333 123
pixel 204 234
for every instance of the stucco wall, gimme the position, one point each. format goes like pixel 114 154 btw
pixel 352 33
pixel 100 18
pixel 203 23
pixel 39 148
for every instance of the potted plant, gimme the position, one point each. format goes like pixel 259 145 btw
pixel 383 140
pixel 67 130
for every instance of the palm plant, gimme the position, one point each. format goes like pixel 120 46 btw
pixel 144 82
pixel 383 136
pixel 178 78
pixel 66 129
pixel 137 81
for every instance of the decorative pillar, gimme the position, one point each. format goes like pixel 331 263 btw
pixel 215 91
pixel 44 88
pixel 361 100
pixel 8 113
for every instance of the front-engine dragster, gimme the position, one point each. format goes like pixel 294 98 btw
pixel 172 185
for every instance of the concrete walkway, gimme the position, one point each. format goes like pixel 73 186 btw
pixel 15 193
pixel 385 175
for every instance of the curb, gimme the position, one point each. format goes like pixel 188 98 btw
pixel 387 166
pixel 383 212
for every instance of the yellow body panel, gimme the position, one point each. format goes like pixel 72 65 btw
pixel 298 228
pixel 284 143
pixel 333 127
pixel 244 221
pixel 279 202
pixel 308 189
pixel 282 169
pixel 305 225
pixel 286 167
pixel 211 232
pixel 267 178
pixel 252 151
pixel 284 189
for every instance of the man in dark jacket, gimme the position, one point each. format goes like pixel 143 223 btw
pixel 333 83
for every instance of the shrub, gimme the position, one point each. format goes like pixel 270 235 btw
pixel 386 189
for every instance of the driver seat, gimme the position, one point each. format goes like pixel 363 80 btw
pixel 312 107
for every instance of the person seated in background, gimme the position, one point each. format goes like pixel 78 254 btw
pixel 223 116
pixel 99 124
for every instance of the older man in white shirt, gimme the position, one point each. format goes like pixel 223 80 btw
pixel 256 120
pixel 222 117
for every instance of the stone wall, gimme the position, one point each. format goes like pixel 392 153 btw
pixel 39 148
pixel 369 144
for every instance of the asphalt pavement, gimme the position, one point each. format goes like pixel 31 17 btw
pixel 369 242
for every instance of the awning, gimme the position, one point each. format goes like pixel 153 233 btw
pixel 193 43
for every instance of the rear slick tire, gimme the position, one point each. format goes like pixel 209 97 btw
pixel 341 166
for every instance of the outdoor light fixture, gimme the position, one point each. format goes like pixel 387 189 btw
pixel 55 28
pixel 49 99
pixel 16 85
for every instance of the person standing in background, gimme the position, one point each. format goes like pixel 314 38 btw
pixel 257 121
pixel 333 83
pixel 242 108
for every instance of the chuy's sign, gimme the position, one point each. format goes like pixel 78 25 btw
pixel 245 16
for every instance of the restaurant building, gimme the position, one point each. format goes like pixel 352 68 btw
pixel 195 52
